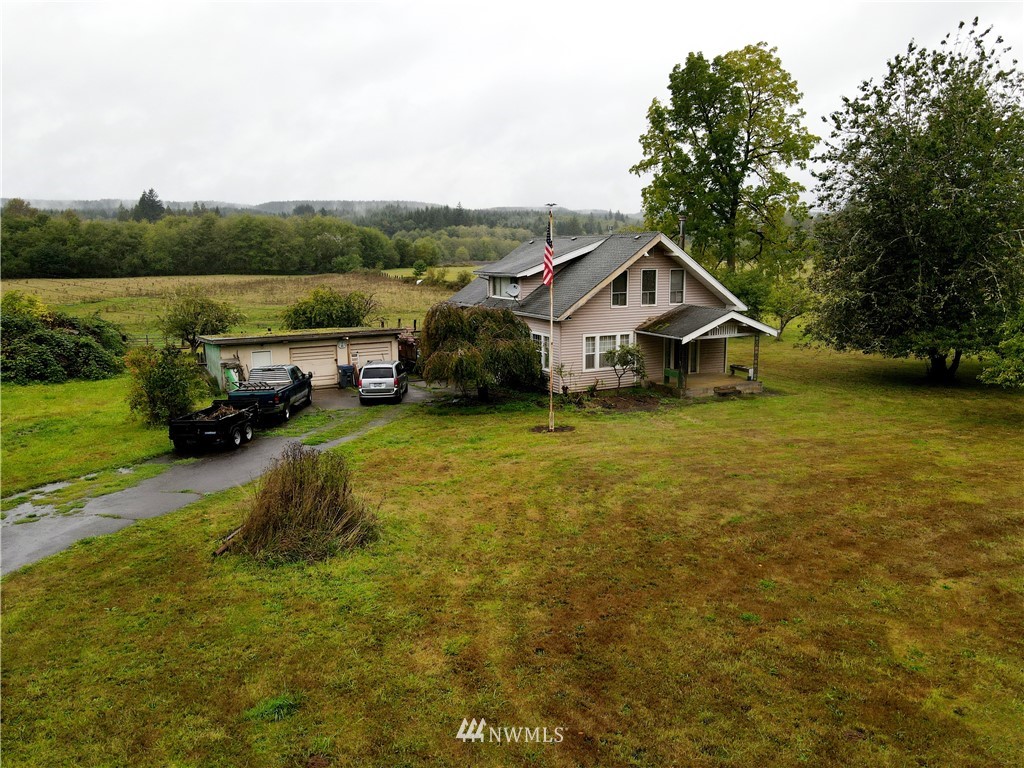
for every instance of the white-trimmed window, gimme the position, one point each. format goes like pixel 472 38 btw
pixel 597 350
pixel 648 287
pixel 261 357
pixel 676 286
pixel 543 342
pixel 620 287
pixel 500 286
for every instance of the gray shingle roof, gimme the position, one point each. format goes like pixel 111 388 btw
pixel 680 322
pixel 573 281
pixel 580 276
pixel 472 294
pixel 531 254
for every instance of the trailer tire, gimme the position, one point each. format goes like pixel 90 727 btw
pixel 247 433
pixel 236 437
pixel 180 446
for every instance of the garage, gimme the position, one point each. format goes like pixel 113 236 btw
pixel 322 361
pixel 317 350
pixel 363 352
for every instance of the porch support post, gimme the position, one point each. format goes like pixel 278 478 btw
pixel 757 355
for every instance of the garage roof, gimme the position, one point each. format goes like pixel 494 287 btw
pixel 312 334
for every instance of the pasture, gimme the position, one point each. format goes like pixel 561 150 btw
pixel 135 303
pixel 829 574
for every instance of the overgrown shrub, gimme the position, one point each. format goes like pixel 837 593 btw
pixel 164 383
pixel 478 347
pixel 305 509
pixel 327 308
pixel 43 345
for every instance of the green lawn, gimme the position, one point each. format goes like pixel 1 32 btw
pixel 830 574
pixel 54 432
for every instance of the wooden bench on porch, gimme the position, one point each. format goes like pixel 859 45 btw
pixel 745 368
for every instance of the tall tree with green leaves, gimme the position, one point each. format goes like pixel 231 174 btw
pixel 923 248
pixel 721 147
pixel 191 313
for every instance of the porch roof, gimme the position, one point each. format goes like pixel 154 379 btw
pixel 688 322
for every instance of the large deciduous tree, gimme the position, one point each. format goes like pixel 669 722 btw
pixel 191 313
pixel 924 182
pixel 721 147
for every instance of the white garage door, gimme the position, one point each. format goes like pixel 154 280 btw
pixel 322 361
pixel 364 352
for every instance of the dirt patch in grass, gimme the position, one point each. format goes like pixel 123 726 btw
pixel 558 428
pixel 629 401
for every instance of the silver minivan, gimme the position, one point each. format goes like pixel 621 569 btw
pixel 382 380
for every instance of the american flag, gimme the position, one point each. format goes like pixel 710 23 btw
pixel 549 254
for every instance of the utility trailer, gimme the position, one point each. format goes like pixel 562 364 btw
pixel 224 422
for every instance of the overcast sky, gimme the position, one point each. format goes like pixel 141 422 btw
pixel 483 103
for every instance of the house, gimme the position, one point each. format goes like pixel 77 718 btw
pixel 617 289
pixel 319 350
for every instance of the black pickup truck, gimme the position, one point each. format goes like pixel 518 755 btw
pixel 222 422
pixel 275 390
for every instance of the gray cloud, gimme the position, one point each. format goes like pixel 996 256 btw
pixel 517 104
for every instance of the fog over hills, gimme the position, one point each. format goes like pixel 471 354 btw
pixel 355 207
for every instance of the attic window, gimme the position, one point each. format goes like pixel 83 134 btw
pixel 500 286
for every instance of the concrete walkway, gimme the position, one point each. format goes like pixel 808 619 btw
pixel 175 487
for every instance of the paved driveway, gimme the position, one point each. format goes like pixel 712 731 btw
pixel 178 485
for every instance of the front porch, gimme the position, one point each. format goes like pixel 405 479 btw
pixel 711 384
pixel 694 348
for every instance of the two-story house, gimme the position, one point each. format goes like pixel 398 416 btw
pixel 622 289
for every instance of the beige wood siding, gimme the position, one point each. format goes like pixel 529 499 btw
pixel 320 360
pixel 598 317
pixel 362 352
pixel 654 356
pixel 697 293
pixel 712 355
pixel 527 285
pixel 242 353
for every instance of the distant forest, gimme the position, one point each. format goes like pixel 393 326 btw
pixel 152 238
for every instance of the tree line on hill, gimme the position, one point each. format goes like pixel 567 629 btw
pixel 148 239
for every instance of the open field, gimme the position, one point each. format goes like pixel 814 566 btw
pixel 135 302
pixel 831 574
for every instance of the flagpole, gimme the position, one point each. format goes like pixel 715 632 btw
pixel 551 327
pixel 551 339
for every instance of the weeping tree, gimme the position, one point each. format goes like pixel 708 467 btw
pixel 923 248
pixel 478 347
